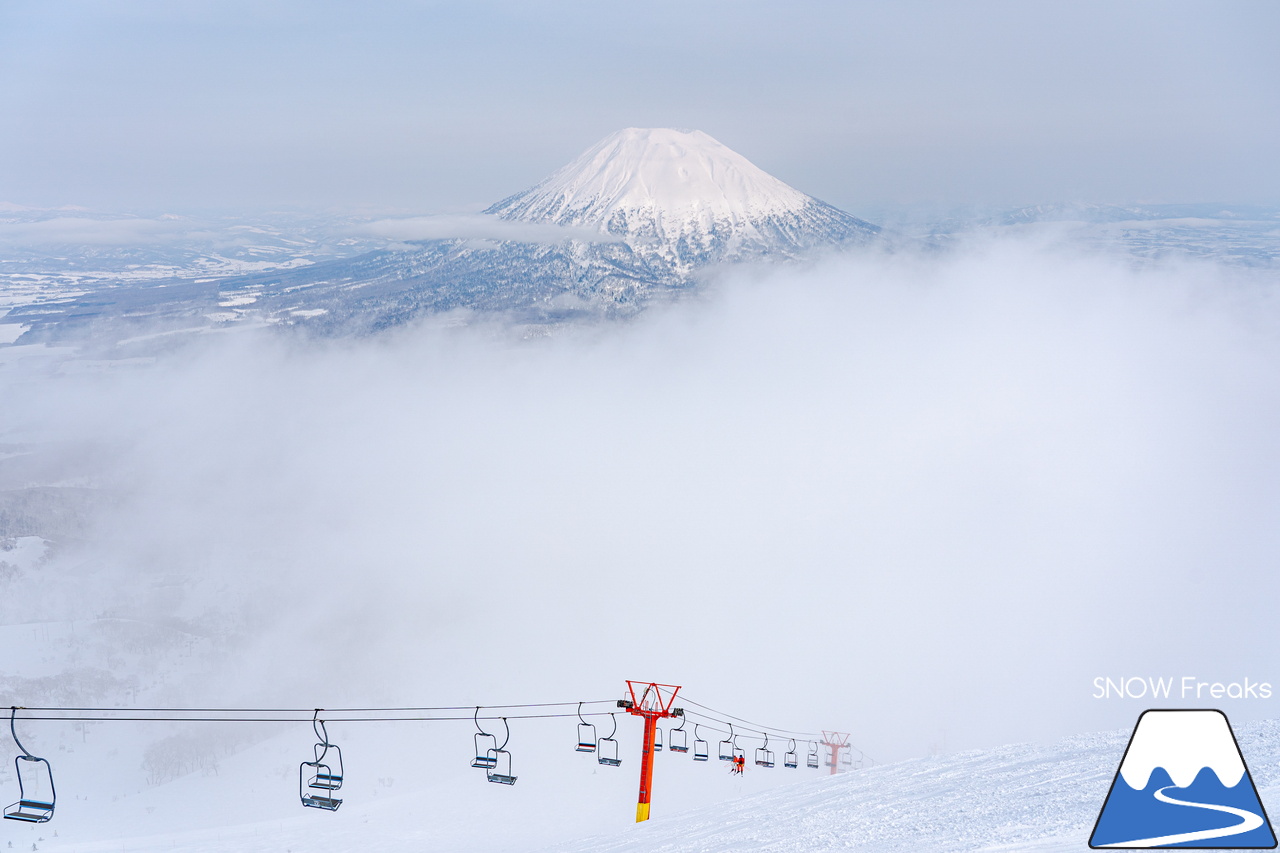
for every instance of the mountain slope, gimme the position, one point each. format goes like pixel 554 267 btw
pixel 1025 797
pixel 633 219
pixel 683 197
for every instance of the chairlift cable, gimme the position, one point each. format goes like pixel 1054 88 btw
pixel 757 726
pixel 330 719
pixel 309 710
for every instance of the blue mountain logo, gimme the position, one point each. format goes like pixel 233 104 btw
pixel 1183 783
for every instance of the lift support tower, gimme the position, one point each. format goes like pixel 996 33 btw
pixel 835 741
pixel 653 702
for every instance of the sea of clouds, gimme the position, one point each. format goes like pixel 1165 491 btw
pixel 924 497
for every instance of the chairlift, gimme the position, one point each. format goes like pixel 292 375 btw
pixel 764 755
pixel 499 767
pixel 607 748
pixel 321 774
pixel 846 760
pixel 657 739
pixel 679 739
pixel 33 805
pixel 728 747
pixel 485 743
pixel 811 760
pixel 701 748
pixel 790 758
pixel 586 734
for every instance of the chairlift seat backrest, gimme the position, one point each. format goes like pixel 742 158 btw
pixel 657 739
pixel 31 811
pixel 325 782
pixel 727 750
pixel 586 737
pixel 701 750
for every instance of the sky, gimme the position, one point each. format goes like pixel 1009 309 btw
pixel 430 107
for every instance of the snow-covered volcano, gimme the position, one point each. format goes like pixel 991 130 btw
pixel 633 219
pixel 684 197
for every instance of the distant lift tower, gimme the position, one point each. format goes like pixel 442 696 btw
pixel 835 741
pixel 653 702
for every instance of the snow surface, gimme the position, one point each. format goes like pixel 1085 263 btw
pixel 1015 798
pixel 672 175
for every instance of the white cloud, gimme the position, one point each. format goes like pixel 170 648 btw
pixel 78 230
pixel 479 227
pixel 892 493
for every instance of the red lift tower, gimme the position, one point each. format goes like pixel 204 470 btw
pixel 653 702
pixel 836 741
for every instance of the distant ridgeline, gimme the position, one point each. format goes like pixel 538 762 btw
pixel 634 218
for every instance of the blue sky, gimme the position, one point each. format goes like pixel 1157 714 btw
pixel 438 107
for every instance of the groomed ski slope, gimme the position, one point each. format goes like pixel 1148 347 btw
pixel 1015 798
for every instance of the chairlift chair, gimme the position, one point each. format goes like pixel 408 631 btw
pixel 607 747
pixel 34 805
pixel 498 769
pixel 679 739
pixel 846 760
pixel 764 755
pixel 728 747
pixel 811 760
pixel 485 743
pixel 790 758
pixel 586 734
pixel 657 739
pixel 319 778
pixel 701 748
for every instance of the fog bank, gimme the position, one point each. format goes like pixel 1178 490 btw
pixel 925 499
